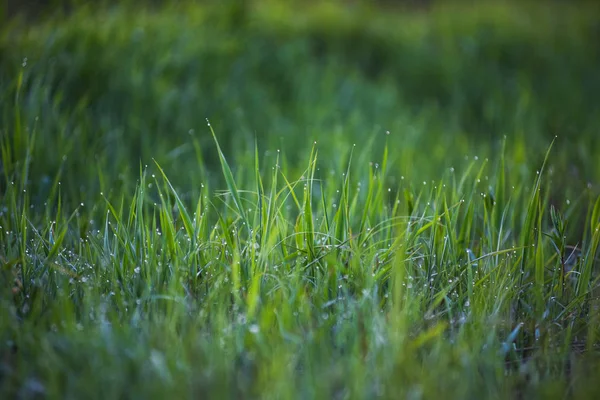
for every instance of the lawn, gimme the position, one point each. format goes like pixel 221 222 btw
pixel 272 199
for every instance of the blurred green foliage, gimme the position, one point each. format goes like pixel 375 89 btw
pixel 119 84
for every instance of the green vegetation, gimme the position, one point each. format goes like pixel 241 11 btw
pixel 384 204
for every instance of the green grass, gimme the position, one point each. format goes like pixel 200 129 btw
pixel 384 203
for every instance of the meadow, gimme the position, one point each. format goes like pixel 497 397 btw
pixel 268 199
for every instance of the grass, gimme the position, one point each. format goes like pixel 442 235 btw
pixel 383 204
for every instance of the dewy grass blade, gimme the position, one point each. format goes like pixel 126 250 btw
pixel 341 217
pixel 583 283
pixel 531 214
pixel 185 216
pixel 230 181
pixel 307 207
pixel 260 212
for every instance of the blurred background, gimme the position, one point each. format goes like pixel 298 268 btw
pixel 117 83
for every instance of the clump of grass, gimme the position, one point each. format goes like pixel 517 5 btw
pixel 303 279
pixel 349 262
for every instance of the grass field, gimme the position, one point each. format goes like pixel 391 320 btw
pixel 386 203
